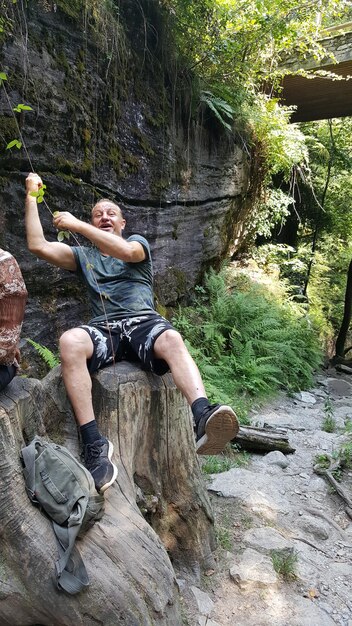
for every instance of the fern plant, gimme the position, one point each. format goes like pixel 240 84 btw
pixel 247 342
pixel 49 358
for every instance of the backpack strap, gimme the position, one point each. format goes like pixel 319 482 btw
pixel 28 455
pixel 71 572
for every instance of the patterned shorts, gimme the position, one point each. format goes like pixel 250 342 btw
pixel 130 339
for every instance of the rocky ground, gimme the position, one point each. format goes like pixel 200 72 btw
pixel 276 510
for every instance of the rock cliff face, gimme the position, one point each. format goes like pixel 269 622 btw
pixel 109 120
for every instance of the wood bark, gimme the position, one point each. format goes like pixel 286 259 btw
pixel 263 440
pixel 346 320
pixel 130 553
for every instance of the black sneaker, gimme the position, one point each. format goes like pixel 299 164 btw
pixel 217 426
pixel 97 459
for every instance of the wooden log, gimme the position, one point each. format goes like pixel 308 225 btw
pixel 127 553
pixel 261 440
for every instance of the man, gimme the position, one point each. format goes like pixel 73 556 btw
pixel 13 296
pixel 118 276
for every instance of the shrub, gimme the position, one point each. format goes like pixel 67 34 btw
pixel 248 341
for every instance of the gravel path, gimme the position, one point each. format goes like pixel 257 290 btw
pixel 278 505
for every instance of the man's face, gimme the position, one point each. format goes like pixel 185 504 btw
pixel 107 217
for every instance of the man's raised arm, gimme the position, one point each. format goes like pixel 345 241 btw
pixel 54 252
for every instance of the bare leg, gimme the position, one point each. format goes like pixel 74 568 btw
pixel 76 347
pixel 170 347
pixel 218 425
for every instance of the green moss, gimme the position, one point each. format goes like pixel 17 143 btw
pixel 158 186
pixel 132 161
pixel 69 178
pixel 143 141
pixel 180 281
pixel 62 62
pixel 72 8
pixel 157 121
pixel 8 128
pixel 161 309
pixel 64 165
pixel 87 135
pixel 115 158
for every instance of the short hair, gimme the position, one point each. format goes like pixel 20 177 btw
pixel 113 204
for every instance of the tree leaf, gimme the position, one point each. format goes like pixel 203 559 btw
pixel 15 143
pixel 22 107
pixel 3 76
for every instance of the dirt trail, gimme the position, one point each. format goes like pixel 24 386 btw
pixel 278 503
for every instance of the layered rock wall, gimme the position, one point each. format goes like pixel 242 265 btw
pixel 108 121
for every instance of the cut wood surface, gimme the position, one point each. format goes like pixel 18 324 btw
pixel 128 552
pixel 263 440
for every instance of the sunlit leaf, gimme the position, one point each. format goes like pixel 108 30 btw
pixel 15 143
pixel 22 107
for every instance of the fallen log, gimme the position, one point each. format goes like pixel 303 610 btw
pixel 263 440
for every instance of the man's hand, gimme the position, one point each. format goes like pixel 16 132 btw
pixel 66 221
pixel 33 183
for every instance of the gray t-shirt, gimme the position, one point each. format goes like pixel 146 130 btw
pixel 125 288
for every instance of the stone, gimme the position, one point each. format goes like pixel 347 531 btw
pixel 276 458
pixel 305 396
pixel 253 571
pixel 265 539
pixel 314 527
pixel 204 602
pixel 339 387
pixel 254 489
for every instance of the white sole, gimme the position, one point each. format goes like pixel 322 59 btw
pixel 114 476
pixel 221 427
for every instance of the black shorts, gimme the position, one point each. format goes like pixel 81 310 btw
pixel 7 373
pixel 130 339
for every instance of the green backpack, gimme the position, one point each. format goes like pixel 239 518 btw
pixel 65 490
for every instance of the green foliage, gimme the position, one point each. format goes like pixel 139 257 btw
pixel 22 107
pixel 284 563
pixel 329 145
pixel 49 358
pixel 15 143
pixel 247 342
pixel 329 422
pixel 345 454
pixel 224 462
pixel 323 460
pixel 39 194
pixel 220 108
pixel 232 52
pixel 327 283
pixel 223 537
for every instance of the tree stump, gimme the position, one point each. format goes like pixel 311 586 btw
pixel 131 551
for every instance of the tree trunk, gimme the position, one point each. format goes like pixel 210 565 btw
pixel 127 553
pixel 341 338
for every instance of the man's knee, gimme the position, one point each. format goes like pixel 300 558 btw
pixel 169 342
pixel 75 343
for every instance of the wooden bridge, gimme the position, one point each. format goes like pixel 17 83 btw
pixel 322 98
